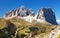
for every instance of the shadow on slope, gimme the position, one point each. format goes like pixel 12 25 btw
pixel 7 31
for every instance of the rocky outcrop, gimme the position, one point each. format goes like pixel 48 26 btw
pixel 48 15
pixel 43 15
pixel 54 33
pixel 18 12
pixel 21 11
pixel 30 12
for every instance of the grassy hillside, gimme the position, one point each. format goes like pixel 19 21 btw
pixel 2 23
pixel 20 28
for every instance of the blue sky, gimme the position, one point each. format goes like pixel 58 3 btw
pixel 6 5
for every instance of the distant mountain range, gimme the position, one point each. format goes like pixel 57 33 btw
pixel 43 15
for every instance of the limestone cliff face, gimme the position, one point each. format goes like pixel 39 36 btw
pixel 18 12
pixel 44 14
pixel 48 15
pixel 30 12
pixel 22 11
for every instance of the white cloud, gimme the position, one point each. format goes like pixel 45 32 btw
pixel 58 21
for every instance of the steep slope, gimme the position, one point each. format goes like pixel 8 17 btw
pixel 18 21
pixel 43 29
pixel 23 28
pixel 2 23
pixel 54 33
pixel 47 14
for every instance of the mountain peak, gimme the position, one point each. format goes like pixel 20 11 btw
pixel 47 14
pixel 43 14
pixel 30 12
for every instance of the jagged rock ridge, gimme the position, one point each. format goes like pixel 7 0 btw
pixel 43 15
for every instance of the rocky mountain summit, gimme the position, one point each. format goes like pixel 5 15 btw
pixel 43 15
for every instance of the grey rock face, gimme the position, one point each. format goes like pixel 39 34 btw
pixel 30 12
pixel 45 14
pixel 48 15
pixel 10 13
pixel 18 12
pixel 21 11
pixel 40 14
